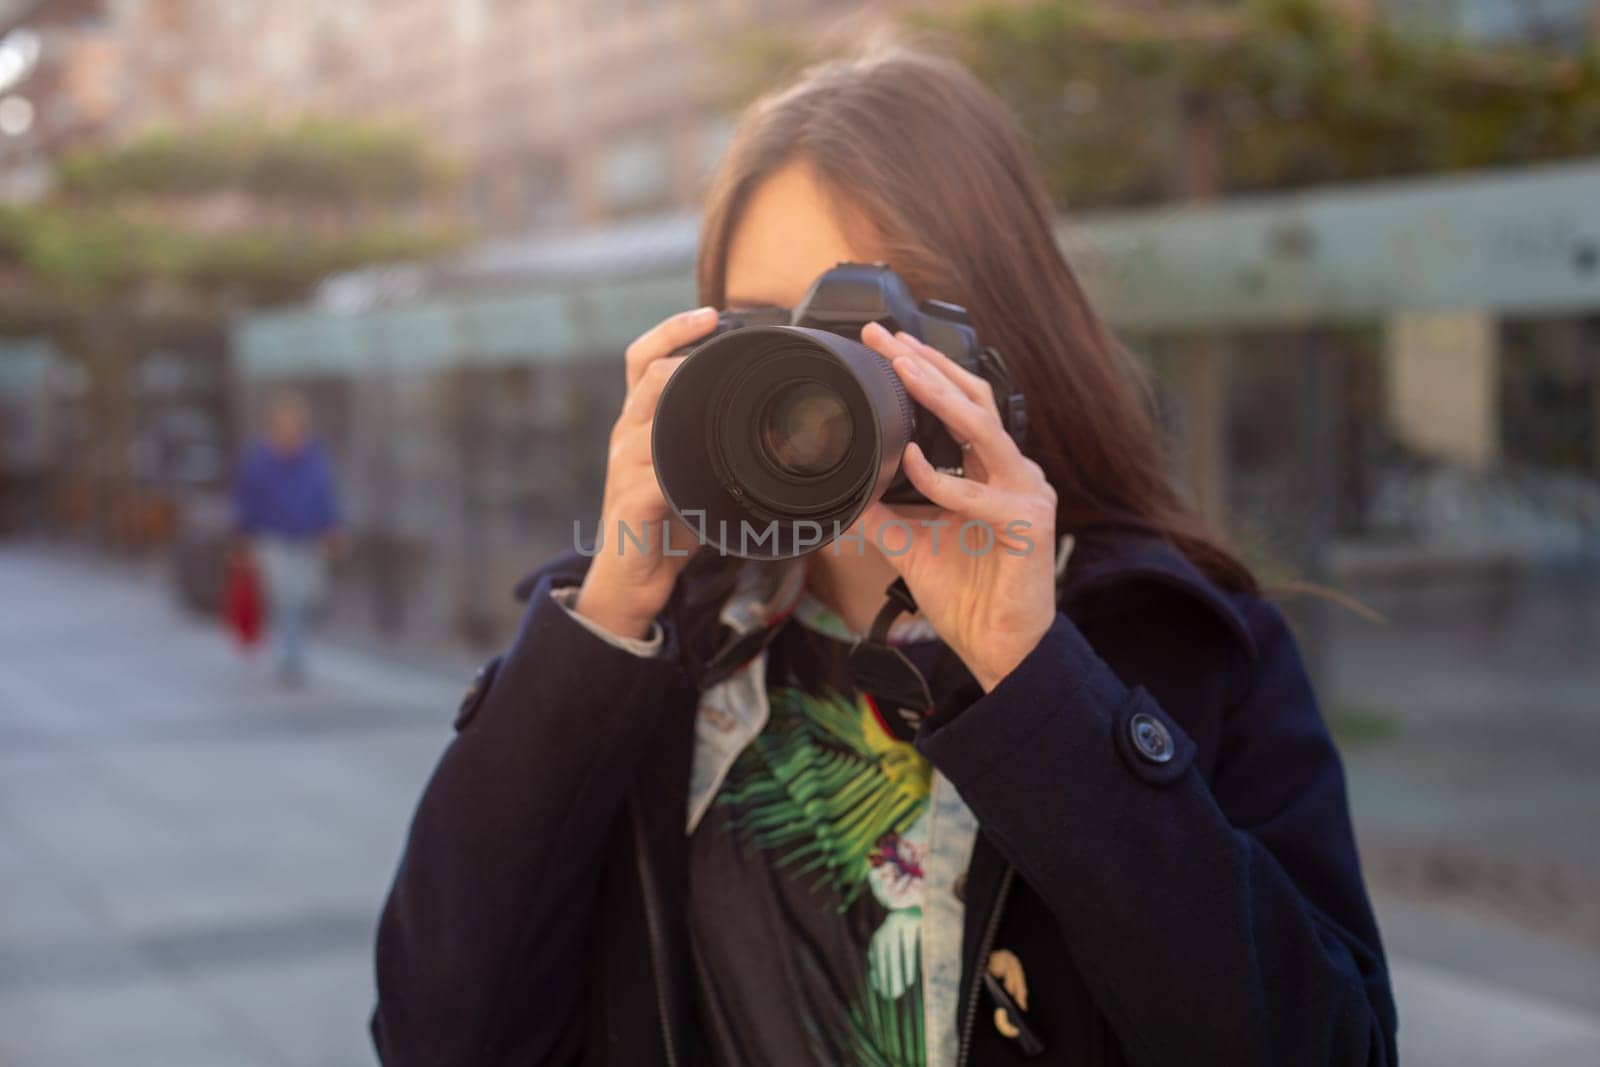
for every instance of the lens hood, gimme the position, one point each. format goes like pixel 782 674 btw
pixel 712 441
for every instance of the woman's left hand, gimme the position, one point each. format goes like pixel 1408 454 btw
pixel 981 561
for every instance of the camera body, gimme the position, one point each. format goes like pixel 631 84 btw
pixel 783 426
pixel 844 299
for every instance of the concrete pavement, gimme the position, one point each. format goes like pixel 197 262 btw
pixel 192 859
pixel 1485 778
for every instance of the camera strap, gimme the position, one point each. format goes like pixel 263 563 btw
pixel 899 602
pixel 899 694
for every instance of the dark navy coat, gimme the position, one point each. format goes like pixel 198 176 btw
pixel 1164 842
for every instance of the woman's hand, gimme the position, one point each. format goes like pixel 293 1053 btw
pixel 627 586
pixel 981 561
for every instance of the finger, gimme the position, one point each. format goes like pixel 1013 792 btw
pixel 666 335
pixel 972 466
pixel 640 405
pixel 881 341
pixel 965 497
pixel 900 536
pixel 633 444
pixel 976 388
pixel 1005 518
pixel 964 417
pixel 967 414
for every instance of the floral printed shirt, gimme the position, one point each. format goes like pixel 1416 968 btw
pixel 806 872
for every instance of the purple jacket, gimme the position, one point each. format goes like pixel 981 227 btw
pixel 1164 842
pixel 288 496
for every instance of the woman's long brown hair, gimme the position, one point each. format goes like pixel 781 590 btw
pixel 911 143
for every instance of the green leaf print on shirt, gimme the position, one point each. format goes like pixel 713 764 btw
pixel 887 1033
pixel 825 777
pixel 837 797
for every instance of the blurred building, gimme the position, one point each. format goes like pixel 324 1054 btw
pixel 563 112
pixel 567 112
pixel 57 86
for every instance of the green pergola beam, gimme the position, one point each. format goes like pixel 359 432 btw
pixel 1524 242
pixel 1516 242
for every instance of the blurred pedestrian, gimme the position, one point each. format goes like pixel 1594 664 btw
pixel 287 519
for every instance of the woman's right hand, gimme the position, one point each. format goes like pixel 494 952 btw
pixel 626 586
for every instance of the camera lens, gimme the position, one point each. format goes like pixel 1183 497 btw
pixel 806 429
pixel 771 439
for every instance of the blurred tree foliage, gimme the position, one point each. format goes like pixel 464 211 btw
pixel 202 221
pixel 1133 103
pixel 320 161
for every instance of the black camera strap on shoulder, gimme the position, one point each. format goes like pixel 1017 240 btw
pixel 897 689
pixel 900 602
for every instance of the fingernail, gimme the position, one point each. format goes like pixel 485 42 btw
pixel 704 314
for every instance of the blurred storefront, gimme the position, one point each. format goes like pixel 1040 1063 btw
pixel 26 368
pixel 1384 388
pixel 560 112
pixel 118 446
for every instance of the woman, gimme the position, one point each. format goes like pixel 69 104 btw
pixel 672 827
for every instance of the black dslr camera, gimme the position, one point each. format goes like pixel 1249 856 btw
pixel 781 427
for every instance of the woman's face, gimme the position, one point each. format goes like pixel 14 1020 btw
pixel 789 233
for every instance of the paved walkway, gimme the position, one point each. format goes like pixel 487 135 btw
pixel 1487 769
pixel 191 859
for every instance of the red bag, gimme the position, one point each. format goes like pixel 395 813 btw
pixel 241 602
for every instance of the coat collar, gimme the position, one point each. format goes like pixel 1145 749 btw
pixel 1100 562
